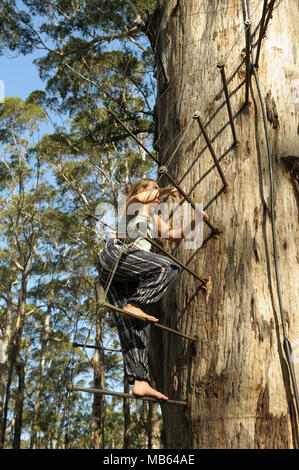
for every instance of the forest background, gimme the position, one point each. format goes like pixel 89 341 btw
pixel 63 66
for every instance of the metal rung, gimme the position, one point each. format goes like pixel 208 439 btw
pixel 163 327
pixel 73 388
pixel 197 116
pixel 94 346
pixel 134 136
pixel 262 32
pixel 204 281
pixel 221 65
pixel 247 59
pixel 164 170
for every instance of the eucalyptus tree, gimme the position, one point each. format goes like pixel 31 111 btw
pixel 103 67
pixel 22 197
pixel 238 379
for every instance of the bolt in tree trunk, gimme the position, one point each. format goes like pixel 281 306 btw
pixel 236 378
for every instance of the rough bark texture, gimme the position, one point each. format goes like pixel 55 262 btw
pixel 235 377
pixel 98 406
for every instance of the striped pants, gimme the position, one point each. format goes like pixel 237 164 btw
pixel 141 277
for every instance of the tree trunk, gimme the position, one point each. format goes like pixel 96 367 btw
pixel 153 432
pixel 4 362
pixel 98 408
pixel 127 417
pixel 15 348
pixel 20 370
pixel 39 383
pixel 235 377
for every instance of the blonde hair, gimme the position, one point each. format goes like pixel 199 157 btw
pixel 134 188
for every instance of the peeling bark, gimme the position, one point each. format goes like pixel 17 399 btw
pixel 271 110
pixel 270 431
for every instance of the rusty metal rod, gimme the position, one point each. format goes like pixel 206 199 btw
pixel 158 325
pixel 262 32
pixel 202 280
pixel 150 240
pixel 247 60
pixel 220 65
pixel 269 15
pixel 93 346
pixel 164 170
pixel 134 136
pixel 73 388
pixel 196 116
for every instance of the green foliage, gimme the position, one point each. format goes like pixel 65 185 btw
pixel 114 425
pixel 17 116
pixel 49 189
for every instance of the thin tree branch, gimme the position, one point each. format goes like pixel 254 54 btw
pixel 138 20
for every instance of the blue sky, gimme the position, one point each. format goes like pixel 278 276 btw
pixel 20 75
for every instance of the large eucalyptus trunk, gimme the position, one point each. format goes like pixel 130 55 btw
pixel 235 378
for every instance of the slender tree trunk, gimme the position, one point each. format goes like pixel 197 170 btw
pixel 153 431
pixel 20 370
pixel 39 384
pixel 4 363
pixel 98 409
pixel 235 377
pixel 127 418
pixel 15 348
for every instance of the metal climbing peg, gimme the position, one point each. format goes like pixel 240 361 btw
pixel 247 59
pixel 73 388
pixel 163 170
pixel 197 116
pixel 220 66
pixel 158 325
pixel 262 32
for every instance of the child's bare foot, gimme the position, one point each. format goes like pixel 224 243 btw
pixel 143 389
pixel 137 311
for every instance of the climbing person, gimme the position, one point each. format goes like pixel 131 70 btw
pixel 139 277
